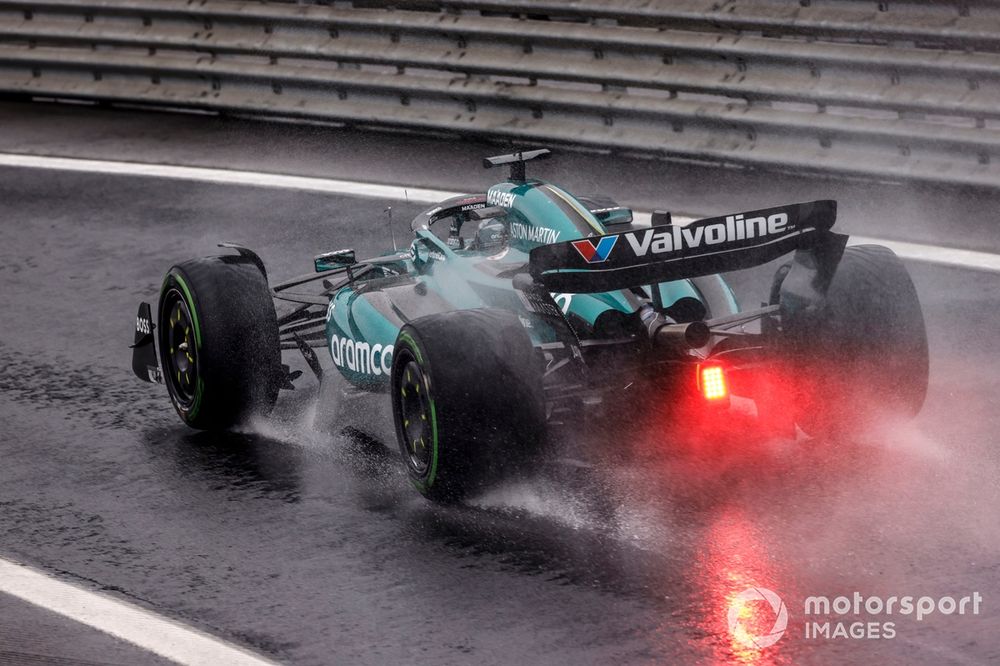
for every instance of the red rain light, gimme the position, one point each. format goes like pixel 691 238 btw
pixel 712 382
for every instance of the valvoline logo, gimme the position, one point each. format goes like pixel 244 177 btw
pixel 595 253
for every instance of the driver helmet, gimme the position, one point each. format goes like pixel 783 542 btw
pixel 491 234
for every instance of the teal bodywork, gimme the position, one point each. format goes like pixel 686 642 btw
pixel 364 317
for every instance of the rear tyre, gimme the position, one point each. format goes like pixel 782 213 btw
pixel 864 356
pixel 466 392
pixel 218 340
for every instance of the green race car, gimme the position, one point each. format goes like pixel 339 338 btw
pixel 525 314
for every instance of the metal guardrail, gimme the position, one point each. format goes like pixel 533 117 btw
pixel 915 94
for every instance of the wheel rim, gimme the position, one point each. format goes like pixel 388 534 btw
pixel 181 351
pixel 415 413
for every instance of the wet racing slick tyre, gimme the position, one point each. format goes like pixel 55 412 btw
pixel 467 402
pixel 864 357
pixel 218 342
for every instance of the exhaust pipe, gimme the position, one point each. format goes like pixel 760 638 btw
pixel 665 332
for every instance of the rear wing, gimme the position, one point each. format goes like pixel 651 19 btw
pixel 672 252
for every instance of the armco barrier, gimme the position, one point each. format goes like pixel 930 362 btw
pixel 907 90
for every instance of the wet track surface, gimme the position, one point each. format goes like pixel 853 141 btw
pixel 314 550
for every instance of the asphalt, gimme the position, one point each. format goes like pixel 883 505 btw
pixel 314 550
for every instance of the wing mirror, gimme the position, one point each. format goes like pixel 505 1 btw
pixel 616 215
pixel 329 261
pixel 607 211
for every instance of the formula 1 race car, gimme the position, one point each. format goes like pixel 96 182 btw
pixel 520 313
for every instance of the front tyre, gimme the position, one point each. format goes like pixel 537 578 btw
pixel 218 342
pixel 466 392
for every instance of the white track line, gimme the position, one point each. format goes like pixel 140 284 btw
pixel 934 254
pixel 228 177
pixel 135 625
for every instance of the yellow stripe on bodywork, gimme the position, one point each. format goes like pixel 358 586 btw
pixel 584 213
